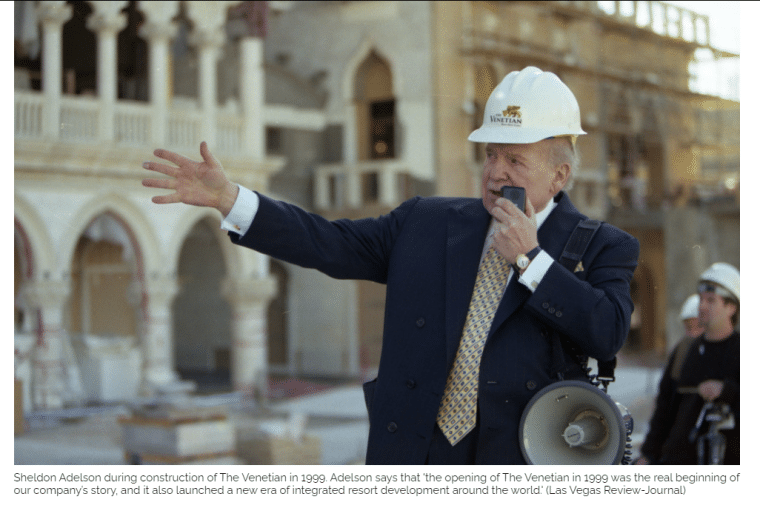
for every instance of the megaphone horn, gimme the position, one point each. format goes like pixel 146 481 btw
pixel 574 422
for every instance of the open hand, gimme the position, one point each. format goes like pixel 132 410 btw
pixel 194 183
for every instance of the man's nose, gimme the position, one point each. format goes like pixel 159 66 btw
pixel 501 171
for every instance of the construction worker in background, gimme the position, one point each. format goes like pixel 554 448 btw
pixel 693 328
pixel 474 293
pixel 698 401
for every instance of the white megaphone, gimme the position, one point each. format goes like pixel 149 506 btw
pixel 576 423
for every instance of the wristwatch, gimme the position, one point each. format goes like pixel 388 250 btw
pixel 523 260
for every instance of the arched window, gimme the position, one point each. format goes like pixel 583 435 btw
pixel 277 318
pixel 102 271
pixel 27 47
pixel 132 58
pixel 201 314
pixel 80 60
pixel 376 109
pixel 184 58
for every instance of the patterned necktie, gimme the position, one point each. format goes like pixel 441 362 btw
pixel 457 414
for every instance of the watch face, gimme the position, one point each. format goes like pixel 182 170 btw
pixel 522 261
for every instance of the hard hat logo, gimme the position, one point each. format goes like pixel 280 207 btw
pixel 536 102
pixel 510 117
pixel 513 111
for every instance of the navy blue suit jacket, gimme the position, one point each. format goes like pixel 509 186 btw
pixel 427 253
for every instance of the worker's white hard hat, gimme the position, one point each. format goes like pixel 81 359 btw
pixel 726 276
pixel 690 308
pixel 528 106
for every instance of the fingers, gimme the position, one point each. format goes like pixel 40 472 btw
pixel 176 158
pixel 161 168
pixel 504 210
pixel 502 229
pixel 162 183
pixel 159 183
pixel 208 158
pixel 499 214
pixel 165 200
pixel 529 210
pixel 179 160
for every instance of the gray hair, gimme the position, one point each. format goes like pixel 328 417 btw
pixel 565 151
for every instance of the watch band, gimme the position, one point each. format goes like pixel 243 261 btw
pixel 521 259
pixel 533 253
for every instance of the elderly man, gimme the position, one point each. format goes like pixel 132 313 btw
pixel 475 297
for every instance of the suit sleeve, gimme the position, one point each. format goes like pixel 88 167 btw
pixel 592 309
pixel 342 249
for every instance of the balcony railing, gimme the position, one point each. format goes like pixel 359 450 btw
pixel 28 115
pixel 79 119
pixel 338 186
pixel 134 123
pixel 184 127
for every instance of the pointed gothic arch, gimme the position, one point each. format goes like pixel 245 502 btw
pixel 375 110
pixel 104 267
pixel 201 314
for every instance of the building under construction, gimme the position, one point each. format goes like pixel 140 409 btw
pixel 346 109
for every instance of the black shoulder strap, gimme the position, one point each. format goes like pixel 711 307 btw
pixel 579 241
pixel 571 258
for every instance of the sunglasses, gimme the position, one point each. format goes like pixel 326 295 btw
pixel 709 287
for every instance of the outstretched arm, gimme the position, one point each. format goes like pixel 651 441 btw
pixel 194 183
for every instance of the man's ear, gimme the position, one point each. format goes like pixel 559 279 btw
pixel 733 306
pixel 561 176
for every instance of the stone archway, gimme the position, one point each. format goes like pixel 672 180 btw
pixel 278 347
pixel 103 314
pixel 201 315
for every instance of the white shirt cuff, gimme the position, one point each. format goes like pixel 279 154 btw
pixel 536 270
pixel 243 211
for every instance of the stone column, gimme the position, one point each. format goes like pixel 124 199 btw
pixel 388 177
pixel 353 187
pixel 252 94
pixel 158 30
pixel 155 296
pixel 52 16
pixel 208 35
pixel 107 20
pixel 249 300
pixel 322 200
pixel 48 297
pixel 208 44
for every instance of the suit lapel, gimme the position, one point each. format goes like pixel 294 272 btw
pixel 467 229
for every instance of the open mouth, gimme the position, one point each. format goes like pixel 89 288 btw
pixel 496 193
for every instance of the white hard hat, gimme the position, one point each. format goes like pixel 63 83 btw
pixel 690 308
pixel 528 106
pixel 723 274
